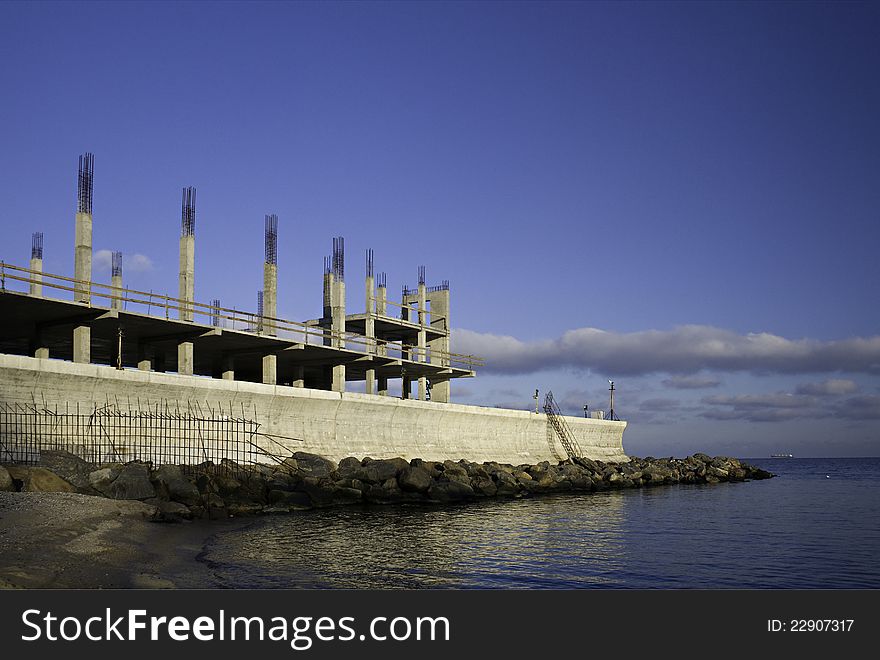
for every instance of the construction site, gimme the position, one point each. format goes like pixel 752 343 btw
pixel 75 341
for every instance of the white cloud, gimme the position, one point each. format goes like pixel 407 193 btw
pixel 830 387
pixel 683 350
pixel 102 261
pixel 137 263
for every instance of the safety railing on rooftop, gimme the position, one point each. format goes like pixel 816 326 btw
pixel 160 305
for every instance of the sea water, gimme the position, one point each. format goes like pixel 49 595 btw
pixel 816 525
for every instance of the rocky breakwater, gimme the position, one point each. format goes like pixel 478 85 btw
pixel 306 481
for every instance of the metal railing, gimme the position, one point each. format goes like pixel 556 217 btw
pixel 235 319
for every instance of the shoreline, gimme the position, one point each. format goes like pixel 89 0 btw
pixel 70 541
pixel 72 524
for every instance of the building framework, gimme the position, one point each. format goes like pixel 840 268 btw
pixel 78 319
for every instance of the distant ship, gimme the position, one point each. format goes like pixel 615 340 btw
pixel 781 456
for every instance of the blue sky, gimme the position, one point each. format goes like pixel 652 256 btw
pixel 681 197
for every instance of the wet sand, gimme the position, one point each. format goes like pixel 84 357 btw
pixel 65 540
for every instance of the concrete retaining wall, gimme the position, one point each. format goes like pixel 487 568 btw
pixel 332 424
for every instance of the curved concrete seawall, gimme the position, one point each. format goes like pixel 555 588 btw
pixel 332 424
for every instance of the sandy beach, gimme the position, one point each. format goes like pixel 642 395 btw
pixel 66 540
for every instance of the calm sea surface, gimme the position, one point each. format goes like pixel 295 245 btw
pixel 817 525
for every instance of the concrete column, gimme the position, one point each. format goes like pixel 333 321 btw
pixel 327 315
pixel 370 333
pixel 338 327
pixel 299 379
pixel 406 386
pixel 270 369
pixel 381 348
pixel 82 344
pixel 270 297
pixel 186 279
pixel 116 300
pixel 440 347
pixel 82 264
pixel 36 284
pixel 185 358
pixel 422 338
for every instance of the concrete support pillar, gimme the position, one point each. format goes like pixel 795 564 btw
pixel 270 369
pixel 270 298
pixel 370 332
pixel 440 346
pixel 299 379
pixel 338 328
pixel 36 284
pixel 185 358
pixel 327 316
pixel 406 387
pixel 116 300
pixel 186 279
pixel 381 348
pixel 82 265
pixel 82 344
pixel 422 337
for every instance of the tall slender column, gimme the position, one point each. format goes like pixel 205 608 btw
pixel 439 298
pixel 337 302
pixel 370 325
pixel 116 282
pixel 82 263
pixel 381 348
pixel 36 283
pixel 270 296
pixel 422 336
pixel 186 279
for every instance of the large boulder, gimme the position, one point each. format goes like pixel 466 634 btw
pixel 311 464
pixel 133 483
pixel 173 485
pixel 39 480
pixel 414 479
pixel 450 491
pixel 69 467
pixel 7 485
pixel 380 471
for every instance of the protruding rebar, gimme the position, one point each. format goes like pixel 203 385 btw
pixel 443 286
pixel 84 186
pixel 380 280
pixel 116 268
pixel 272 239
pixel 188 212
pixel 37 245
pixel 369 263
pixel 339 259
pixel 421 274
pixel 215 312
pixel 260 303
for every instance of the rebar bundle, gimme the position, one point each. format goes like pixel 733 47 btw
pixel 37 245
pixel 188 212
pixel 272 239
pixel 116 268
pixel 84 186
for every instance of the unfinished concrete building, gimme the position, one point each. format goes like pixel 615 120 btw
pixel 78 338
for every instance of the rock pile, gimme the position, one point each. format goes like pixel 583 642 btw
pixel 306 481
